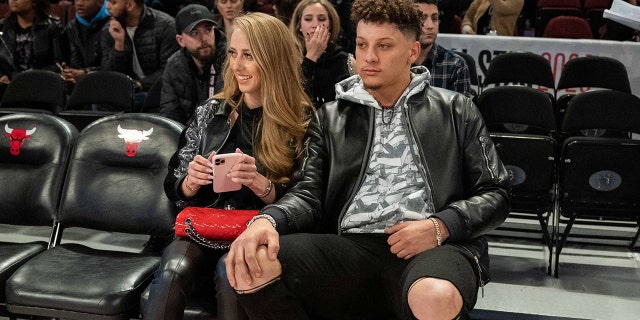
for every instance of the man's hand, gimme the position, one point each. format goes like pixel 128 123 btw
pixel 117 33
pixel 241 262
pixel 410 238
pixel 5 79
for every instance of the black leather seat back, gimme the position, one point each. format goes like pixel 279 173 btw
pixel 34 150
pixel 116 175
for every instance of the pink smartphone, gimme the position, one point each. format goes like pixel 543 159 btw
pixel 222 163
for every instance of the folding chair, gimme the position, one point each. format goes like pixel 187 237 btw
pixel 599 176
pixel 34 91
pixel 592 72
pixel 114 183
pixel 34 153
pixel 522 126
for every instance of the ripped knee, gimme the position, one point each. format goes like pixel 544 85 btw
pixel 271 271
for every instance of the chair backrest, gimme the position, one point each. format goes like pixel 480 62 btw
pixel 34 153
pixel 115 180
pixel 520 67
pixel 602 109
pixel 37 90
pixel 568 27
pixel 517 105
pixel 103 91
pixel 594 72
pixel 549 9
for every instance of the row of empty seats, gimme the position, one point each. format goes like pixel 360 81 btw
pixel 109 177
pixel 572 157
pixel 94 95
pixel 585 12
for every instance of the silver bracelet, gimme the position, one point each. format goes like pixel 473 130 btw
pixel 262 216
pixel 438 233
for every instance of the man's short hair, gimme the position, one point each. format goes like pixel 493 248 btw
pixel 403 13
pixel 433 2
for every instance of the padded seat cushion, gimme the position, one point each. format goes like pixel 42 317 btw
pixel 13 256
pixel 82 279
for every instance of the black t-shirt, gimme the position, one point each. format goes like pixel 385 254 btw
pixel 23 56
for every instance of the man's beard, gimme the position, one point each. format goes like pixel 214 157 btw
pixel 122 18
pixel 205 59
pixel 374 87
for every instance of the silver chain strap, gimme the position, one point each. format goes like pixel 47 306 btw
pixel 190 230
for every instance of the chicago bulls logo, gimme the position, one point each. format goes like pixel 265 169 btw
pixel 132 139
pixel 17 137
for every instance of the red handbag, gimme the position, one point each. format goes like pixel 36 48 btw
pixel 212 227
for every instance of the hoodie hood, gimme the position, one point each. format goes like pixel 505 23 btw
pixel 352 89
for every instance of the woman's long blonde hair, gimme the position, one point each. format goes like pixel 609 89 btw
pixel 295 25
pixel 286 108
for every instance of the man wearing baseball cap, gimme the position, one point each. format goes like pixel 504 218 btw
pixel 193 73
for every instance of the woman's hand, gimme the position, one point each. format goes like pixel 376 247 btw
pixel 199 174
pixel 246 172
pixel 317 42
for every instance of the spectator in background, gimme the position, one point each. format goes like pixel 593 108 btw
pixel 448 70
pixel 227 11
pixel 32 39
pixel 193 73
pixel 83 36
pixel 138 43
pixel 283 9
pixel 315 26
pixel 484 16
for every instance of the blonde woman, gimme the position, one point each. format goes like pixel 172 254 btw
pixel 316 25
pixel 262 113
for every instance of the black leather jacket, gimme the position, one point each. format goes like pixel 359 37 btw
pixel 469 184
pixel 154 42
pixel 47 34
pixel 209 130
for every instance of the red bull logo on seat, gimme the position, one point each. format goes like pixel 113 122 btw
pixel 17 137
pixel 133 138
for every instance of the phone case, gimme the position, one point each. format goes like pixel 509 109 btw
pixel 222 163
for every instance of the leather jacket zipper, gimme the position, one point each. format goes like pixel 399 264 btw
pixel 483 144
pixel 482 284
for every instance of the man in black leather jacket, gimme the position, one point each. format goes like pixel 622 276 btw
pixel 194 73
pixel 400 183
